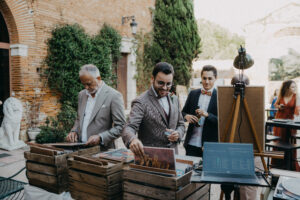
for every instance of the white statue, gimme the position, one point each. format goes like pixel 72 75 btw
pixel 10 128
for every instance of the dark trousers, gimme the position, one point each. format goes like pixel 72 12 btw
pixel 193 151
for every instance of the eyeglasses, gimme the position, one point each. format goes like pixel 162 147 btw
pixel 162 84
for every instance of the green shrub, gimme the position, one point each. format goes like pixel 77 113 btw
pixel 174 39
pixel 68 49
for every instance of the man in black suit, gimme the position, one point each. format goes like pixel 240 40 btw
pixel 200 110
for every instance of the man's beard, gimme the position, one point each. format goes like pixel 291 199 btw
pixel 162 90
pixel 93 91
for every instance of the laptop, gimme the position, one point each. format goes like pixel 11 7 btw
pixel 228 163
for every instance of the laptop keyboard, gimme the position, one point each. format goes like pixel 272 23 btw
pixel 232 178
pixel 227 175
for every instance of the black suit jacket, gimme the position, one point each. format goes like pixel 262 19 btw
pixel 210 127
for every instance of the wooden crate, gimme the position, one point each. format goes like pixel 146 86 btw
pixel 51 172
pixel 143 185
pixel 91 181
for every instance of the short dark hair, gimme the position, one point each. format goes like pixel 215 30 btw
pixel 163 67
pixel 209 68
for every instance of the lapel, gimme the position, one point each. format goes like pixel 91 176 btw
pixel 212 100
pixel 172 111
pixel 157 105
pixel 196 100
pixel 82 107
pixel 99 101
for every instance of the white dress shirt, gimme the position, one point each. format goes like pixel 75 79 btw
pixel 90 104
pixel 203 103
pixel 163 101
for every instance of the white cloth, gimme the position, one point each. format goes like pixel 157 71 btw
pixel 163 101
pixel 203 103
pixel 90 104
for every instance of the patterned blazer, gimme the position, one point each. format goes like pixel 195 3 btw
pixel 148 119
pixel 107 119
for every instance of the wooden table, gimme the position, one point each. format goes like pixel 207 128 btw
pixel 287 146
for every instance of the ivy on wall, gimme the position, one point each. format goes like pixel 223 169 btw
pixel 68 49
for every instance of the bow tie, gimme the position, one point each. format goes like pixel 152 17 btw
pixel 206 92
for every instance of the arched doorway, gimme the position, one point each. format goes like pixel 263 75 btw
pixel 4 64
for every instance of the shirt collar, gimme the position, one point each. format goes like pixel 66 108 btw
pixel 156 95
pixel 98 91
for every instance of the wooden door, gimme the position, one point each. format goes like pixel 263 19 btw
pixel 122 77
pixel 4 64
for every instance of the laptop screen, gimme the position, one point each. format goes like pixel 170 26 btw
pixel 229 158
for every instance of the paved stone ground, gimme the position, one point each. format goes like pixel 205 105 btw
pixel 11 164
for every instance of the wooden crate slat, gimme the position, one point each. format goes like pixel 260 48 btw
pixel 130 196
pixel 143 177
pixel 60 160
pixel 94 190
pixel 48 187
pixel 78 195
pixel 202 193
pixel 43 151
pixel 94 179
pixel 51 180
pixel 100 170
pixel 115 178
pixel 82 195
pixel 45 169
pixel 147 191
pixel 39 158
pixel 87 178
pixel 204 197
pixel 187 190
pixel 87 151
pixel 183 180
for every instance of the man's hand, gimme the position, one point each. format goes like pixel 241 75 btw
pixel 136 147
pixel 94 140
pixel 191 119
pixel 201 112
pixel 174 136
pixel 72 137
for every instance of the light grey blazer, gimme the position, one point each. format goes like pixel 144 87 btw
pixel 148 119
pixel 107 119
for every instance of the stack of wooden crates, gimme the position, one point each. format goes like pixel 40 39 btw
pixel 47 167
pixel 140 185
pixel 91 178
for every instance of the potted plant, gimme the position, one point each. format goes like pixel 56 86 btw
pixel 32 112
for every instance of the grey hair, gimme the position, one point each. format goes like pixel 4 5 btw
pixel 90 69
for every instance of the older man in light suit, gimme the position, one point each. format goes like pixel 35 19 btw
pixel 100 116
pixel 155 115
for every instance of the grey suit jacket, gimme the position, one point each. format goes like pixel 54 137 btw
pixel 107 119
pixel 148 118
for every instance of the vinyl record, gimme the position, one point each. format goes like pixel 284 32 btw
pixel 292 186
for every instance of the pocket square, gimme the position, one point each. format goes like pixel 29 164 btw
pixel 103 106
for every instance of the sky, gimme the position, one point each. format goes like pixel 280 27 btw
pixel 234 14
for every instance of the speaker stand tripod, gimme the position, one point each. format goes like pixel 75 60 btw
pixel 239 97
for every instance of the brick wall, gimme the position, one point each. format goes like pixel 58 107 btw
pixel 30 23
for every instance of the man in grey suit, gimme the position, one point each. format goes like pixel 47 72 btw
pixel 100 115
pixel 155 115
